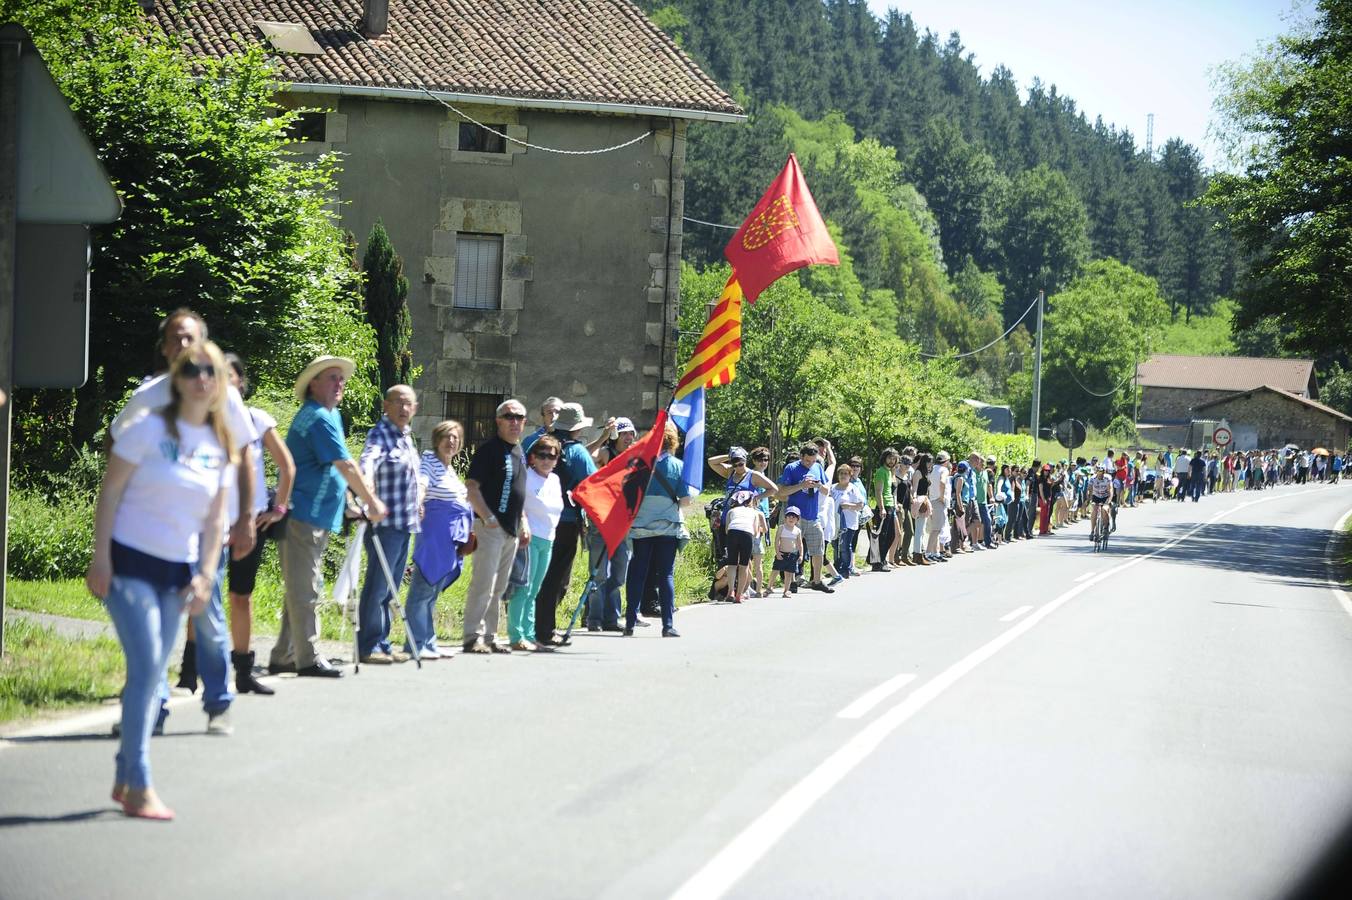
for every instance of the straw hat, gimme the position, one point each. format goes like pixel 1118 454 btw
pixel 320 364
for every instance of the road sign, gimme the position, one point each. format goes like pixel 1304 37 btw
pixel 1221 436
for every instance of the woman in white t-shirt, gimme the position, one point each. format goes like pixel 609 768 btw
pixel 745 528
pixel 158 528
pixel 544 506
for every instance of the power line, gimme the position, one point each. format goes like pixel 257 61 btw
pixel 467 117
pixel 710 224
pixel 1008 332
pixel 1071 372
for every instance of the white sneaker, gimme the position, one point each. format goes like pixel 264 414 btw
pixel 219 723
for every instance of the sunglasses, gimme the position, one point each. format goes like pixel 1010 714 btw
pixel 513 417
pixel 545 455
pixel 739 462
pixel 191 369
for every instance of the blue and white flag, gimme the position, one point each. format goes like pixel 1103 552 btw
pixel 688 414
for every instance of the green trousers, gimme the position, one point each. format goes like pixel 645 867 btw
pixel 521 602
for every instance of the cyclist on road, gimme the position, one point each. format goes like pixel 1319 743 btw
pixel 1100 493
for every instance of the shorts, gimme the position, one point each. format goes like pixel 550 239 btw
pixel 813 543
pixel 739 547
pixel 244 572
pixel 787 563
pixel 1099 501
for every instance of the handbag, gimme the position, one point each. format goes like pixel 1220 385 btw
pixel 520 574
pixel 920 506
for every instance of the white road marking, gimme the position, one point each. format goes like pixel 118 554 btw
pixel 1334 578
pixel 716 877
pixel 1014 614
pixel 1085 576
pixel 858 708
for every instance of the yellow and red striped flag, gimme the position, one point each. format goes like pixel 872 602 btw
pixel 714 361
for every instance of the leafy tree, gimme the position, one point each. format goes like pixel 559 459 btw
pixel 1096 331
pixel 1043 236
pixel 386 308
pixel 1209 335
pixel 961 185
pixel 217 216
pixel 1287 113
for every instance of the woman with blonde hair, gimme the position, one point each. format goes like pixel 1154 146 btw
pixel 443 542
pixel 158 527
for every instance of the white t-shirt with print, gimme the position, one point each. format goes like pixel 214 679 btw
pixel 168 496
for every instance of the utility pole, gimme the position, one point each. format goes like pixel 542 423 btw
pixel 1150 136
pixel 10 49
pixel 1037 377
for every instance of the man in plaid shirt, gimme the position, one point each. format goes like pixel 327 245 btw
pixel 390 460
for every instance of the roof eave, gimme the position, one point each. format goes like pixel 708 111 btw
pixel 585 106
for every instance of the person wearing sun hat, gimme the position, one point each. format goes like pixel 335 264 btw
pixel 324 470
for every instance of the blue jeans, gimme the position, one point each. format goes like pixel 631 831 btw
pixel 845 543
pixel 986 524
pixel 374 607
pixel 146 619
pixel 212 638
pixel 603 603
pixel 422 597
pixel 659 555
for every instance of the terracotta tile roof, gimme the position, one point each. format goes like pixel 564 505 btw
pixel 1306 401
pixel 1226 373
pixel 596 51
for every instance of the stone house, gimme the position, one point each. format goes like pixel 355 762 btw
pixel 531 272
pixel 1268 417
pixel 1173 387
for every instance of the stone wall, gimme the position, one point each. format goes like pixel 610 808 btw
pixel 1167 405
pixel 1281 420
pixel 586 309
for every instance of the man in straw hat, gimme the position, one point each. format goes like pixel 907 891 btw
pixel 324 469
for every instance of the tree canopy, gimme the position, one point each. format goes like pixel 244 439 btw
pixel 1288 116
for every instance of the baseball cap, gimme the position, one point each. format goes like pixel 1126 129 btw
pixel 793 511
pixel 622 425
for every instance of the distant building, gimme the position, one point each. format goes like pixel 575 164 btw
pixel 531 273
pixel 1174 387
pixel 1268 416
pixel 998 419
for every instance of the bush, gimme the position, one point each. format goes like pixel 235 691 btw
pixel 50 538
pixel 1014 449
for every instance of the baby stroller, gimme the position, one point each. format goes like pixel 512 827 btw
pixel 718 587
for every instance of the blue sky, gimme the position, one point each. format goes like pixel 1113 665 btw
pixel 1118 60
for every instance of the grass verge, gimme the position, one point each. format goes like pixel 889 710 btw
pixel 68 597
pixel 42 671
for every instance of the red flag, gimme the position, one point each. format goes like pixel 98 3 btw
pixel 612 493
pixel 783 233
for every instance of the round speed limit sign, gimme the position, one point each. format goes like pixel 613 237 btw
pixel 1222 436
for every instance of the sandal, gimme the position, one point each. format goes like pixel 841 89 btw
pixel 477 647
pixel 495 647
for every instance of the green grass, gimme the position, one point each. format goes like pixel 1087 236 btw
pixel 42 670
pixel 694 567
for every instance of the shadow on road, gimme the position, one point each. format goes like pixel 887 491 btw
pixel 1279 554
pixel 84 815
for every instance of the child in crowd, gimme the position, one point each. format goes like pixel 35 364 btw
pixel 788 549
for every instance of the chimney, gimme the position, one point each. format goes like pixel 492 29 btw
pixel 376 20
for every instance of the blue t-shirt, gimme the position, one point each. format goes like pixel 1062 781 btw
pixel 575 464
pixel 805 500
pixel 315 440
pixel 530 439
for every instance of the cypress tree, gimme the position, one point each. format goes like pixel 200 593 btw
pixel 386 309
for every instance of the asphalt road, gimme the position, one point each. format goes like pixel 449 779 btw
pixel 1169 718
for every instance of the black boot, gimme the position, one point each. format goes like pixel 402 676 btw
pixel 245 683
pixel 187 671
